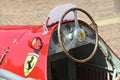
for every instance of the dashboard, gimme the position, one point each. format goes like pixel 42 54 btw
pixel 67 30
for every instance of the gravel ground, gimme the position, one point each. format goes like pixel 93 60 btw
pixel 34 12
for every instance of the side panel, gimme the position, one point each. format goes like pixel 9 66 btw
pixel 17 41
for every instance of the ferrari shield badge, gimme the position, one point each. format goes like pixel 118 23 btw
pixel 30 63
pixel 32 58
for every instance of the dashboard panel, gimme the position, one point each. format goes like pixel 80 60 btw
pixel 67 29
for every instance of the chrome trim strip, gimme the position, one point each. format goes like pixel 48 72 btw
pixel 11 76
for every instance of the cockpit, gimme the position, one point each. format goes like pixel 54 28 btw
pixel 75 50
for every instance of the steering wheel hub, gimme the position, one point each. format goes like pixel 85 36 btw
pixel 79 34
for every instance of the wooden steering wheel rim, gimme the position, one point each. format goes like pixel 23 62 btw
pixel 94 28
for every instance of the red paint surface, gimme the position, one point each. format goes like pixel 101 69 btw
pixel 17 38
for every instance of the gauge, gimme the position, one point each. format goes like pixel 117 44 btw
pixel 55 37
pixel 69 28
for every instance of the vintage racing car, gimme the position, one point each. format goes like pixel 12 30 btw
pixel 66 47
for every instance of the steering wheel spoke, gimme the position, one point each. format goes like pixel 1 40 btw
pixel 76 20
pixel 89 40
pixel 71 45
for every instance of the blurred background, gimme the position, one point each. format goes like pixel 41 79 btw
pixel 34 12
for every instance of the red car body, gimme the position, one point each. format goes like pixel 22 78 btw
pixel 17 45
pixel 19 50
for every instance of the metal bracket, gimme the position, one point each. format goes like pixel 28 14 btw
pixel 45 29
pixel 4 54
pixel 115 74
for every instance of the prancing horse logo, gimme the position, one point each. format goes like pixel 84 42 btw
pixel 30 63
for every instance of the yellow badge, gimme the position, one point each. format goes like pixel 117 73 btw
pixel 81 34
pixel 30 63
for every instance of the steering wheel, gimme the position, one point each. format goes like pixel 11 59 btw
pixel 78 33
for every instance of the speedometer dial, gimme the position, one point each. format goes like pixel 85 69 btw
pixel 69 28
